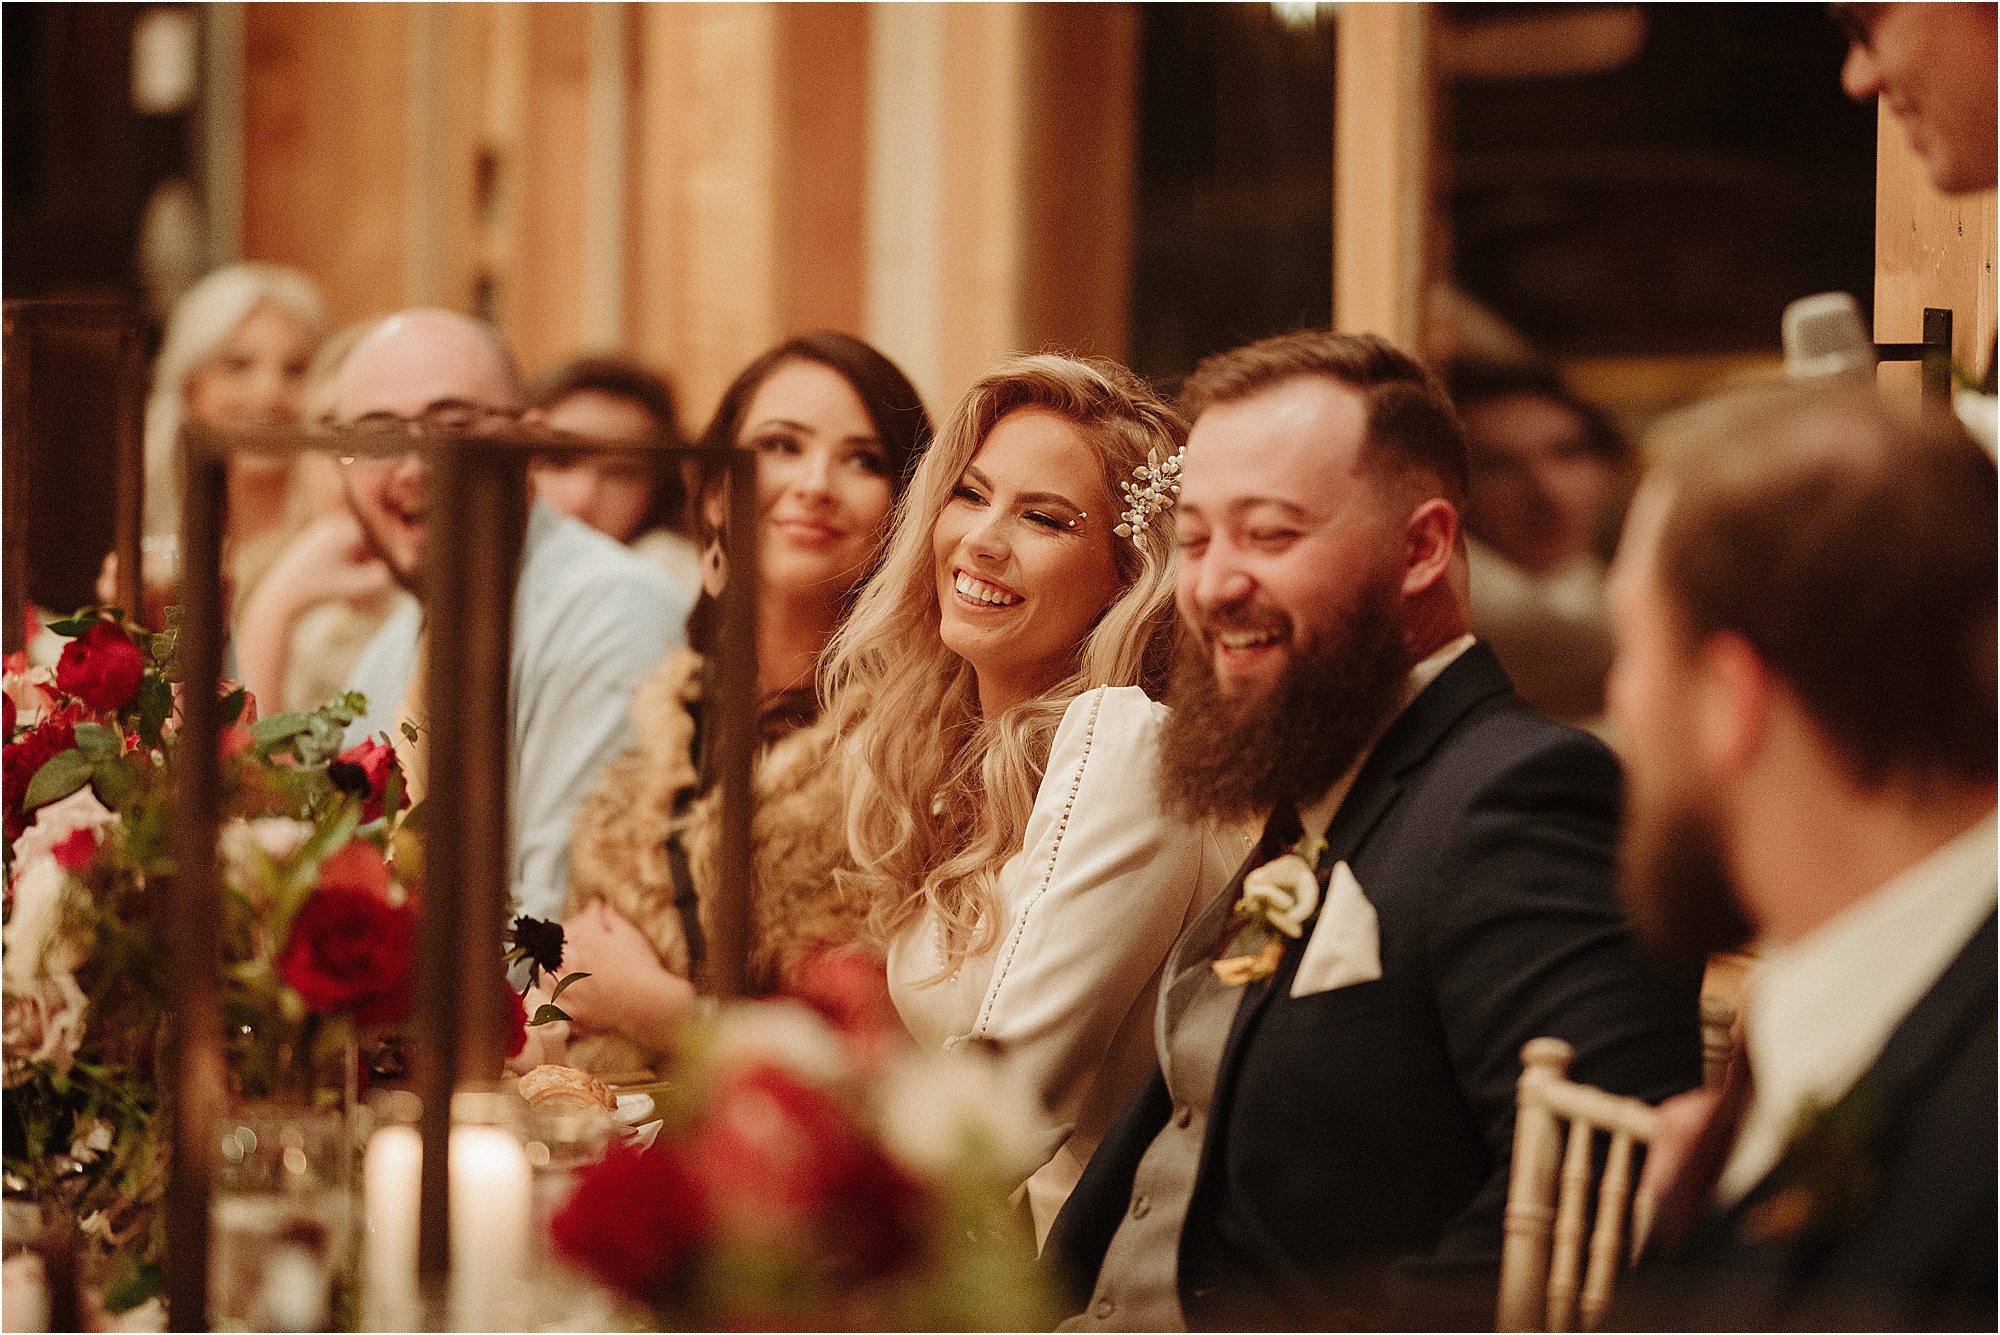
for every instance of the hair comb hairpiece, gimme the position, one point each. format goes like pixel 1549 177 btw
pixel 1152 491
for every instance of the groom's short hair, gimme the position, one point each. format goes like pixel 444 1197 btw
pixel 1412 427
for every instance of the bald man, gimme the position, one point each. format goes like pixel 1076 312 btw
pixel 590 619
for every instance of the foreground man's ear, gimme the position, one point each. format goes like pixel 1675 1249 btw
pixel 1430 539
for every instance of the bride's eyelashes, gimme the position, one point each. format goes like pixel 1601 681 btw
pixel 1055 523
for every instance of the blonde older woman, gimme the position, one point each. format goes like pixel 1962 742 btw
pixel 993 692
pixel 235 355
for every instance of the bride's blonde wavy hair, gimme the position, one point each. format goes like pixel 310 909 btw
pixel 938 797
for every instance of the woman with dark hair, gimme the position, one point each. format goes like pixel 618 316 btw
pixel 634 495
pixel 1550 476
pixel 837 429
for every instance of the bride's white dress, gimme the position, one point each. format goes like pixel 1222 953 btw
pixel 1089 907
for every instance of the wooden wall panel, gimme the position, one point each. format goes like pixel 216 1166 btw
pixel 822 166
pixel 1381 170
pixel 1930 250
pixel 545 315
pixel 1082 77
pixel 985 121
pixel 325 125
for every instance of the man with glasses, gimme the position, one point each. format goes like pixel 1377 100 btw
pixel 590 619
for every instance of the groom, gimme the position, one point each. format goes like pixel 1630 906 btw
pixel 1351 1105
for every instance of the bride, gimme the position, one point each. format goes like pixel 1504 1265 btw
pixel 992 690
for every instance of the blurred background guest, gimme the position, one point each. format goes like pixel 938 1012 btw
pixel 1550 476
pixel 234 356
pixel 639 499
pixel 303 627
pixel 837 428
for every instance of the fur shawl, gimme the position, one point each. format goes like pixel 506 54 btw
pixel 798 836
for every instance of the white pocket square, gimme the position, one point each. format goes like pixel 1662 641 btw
pixel 1346 945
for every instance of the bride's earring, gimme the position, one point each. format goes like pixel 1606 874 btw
pixel 714 568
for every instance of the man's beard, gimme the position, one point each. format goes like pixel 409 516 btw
pixel 1232 758
pixel 1675 879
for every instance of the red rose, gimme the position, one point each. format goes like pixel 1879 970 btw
pixel 517 1028
pixel 24 757
pixel 350 949
pixel 364 771
pixel 782 1158
pixel 358 866
pixel 101 667
pixel 634 1218
pixel 75 852
pixel 850 987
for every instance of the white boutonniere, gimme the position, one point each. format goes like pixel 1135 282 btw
pixel 1278 899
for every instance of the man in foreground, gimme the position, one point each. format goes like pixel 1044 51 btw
pixel 1336 1082
pixel 1805 693
pixel 590 619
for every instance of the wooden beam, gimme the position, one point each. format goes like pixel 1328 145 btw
pixel 1930 250
pixel 1381 169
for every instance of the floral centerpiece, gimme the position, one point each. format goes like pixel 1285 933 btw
pixel 318 921
pixel 814 1172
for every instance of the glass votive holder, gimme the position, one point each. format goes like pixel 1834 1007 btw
pixel 279 1217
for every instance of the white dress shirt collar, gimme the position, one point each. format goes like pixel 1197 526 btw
pixel 1820 1008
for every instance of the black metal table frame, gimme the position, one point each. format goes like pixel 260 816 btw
pixel 476 511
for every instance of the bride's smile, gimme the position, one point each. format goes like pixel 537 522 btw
pixel 1023 556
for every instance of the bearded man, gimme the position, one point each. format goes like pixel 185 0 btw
pixel 1807 709
pixel 1336 1080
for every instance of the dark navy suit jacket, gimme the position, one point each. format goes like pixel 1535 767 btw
pixel 1375 1122
pixel 1917 1247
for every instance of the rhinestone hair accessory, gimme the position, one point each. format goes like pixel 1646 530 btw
pixel 1152 491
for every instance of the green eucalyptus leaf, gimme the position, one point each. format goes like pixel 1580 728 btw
pixel 566 981
pixel 62 774
pixel 272 732
pixel 156 702
pixel 113 782
pixel 547 1014
pixel 98 742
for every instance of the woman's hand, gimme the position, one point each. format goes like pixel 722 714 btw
pixel 629 990
pixel 330 559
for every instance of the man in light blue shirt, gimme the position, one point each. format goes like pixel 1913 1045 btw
pixel 590 619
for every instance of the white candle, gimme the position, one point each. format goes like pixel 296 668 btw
pixel 491 1205
pixel 492 1200
pixel 389 1177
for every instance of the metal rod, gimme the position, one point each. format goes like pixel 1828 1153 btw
pixel 193 916
pixel 129 517
pixel 736 691
pixel 471 567
pixel 16 352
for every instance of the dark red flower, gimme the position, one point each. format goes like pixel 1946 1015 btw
pixel 363 770
pixel 21 759
pixel 850 987
pixel 517 1026
pixel 356 865
pixel 101 667
pixel 781 1157
pixel 634 1218
pixel 350 949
